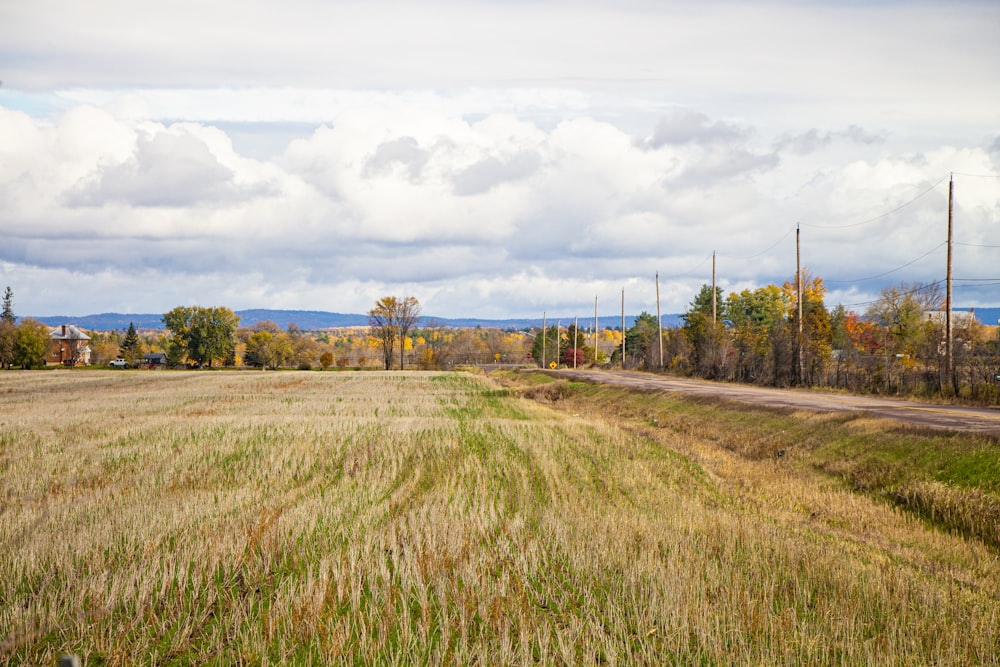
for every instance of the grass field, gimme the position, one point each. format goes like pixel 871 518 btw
pixel 384 518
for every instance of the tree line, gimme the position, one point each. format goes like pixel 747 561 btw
pixel 896 346
pixel 24 344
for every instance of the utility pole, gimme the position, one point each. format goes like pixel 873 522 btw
pixel 798 291
pixel 544 334
pixel 576 333
pixel 595 330
pixel 659 319
pixel 714 314
pixel 948 357
pixel 623 328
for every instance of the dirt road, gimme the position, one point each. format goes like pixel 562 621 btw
pixel 954 418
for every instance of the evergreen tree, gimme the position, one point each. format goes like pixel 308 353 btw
pixel 702 304
pixel 130 346
pixel 8 308
pixel 641 340
pixel 553 346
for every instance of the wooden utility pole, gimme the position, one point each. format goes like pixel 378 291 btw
pixel 576 333
pixel 798 292
pixel 949 361
pixel 595 329
pixel 714 314
pixel 623 328
pixel 544 334
pixel 659 319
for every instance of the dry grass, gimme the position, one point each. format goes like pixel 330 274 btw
pixel 385 518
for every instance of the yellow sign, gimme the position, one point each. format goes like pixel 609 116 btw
pixel 552 364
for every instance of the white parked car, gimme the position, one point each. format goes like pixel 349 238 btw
pixel 118 363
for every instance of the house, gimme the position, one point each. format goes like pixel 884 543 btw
pixel 154 360
pixel 960 319
pixel 68 345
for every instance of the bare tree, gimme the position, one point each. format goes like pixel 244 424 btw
pixel 407 314
pixel 392 318
pixel 927 295
pixel 382 325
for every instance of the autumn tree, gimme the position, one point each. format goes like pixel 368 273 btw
pixel 243 335
pixel 204 334
pixel 815 347
pixel 305 349
pixel 467 347
pixel 382 326
pixel 574 357
pixel 270 350
pixel 508 345
pixel 576 347
pixel 390 320
pixel 31 343
pixel 641 340
pixel 434 346
pixel 8 341
pixel 407 314
pixel 708 338
pixel 899 312
pixel 753 315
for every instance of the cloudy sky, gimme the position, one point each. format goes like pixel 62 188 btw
pixel 493 158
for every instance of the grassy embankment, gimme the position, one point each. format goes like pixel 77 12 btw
pixel 374 518
pixel 950 479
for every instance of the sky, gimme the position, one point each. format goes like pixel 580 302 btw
pixel 494 159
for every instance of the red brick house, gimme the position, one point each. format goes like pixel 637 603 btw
pixel 68 345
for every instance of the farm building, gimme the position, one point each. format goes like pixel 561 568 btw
pixel 154 360
pixel 68 345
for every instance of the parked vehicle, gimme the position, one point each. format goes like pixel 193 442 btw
pixel 118 363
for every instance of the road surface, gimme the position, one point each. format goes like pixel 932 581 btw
pixel 954 418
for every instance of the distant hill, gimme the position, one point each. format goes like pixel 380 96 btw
pixel 986 315
pixel 304 319
pixel 309 320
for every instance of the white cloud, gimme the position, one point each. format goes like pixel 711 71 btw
pixel 491 159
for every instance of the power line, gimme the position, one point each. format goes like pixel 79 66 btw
pixel 975 245
pixel 884 215
pixel 926 287
pixel 913 261
pixel 984 282
pixel 695 267
pixel 766 250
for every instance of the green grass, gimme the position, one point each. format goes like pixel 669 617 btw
pixel 952 480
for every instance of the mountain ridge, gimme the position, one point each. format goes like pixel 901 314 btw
pixel 309 320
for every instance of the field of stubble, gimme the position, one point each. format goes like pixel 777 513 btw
pixel 409 518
